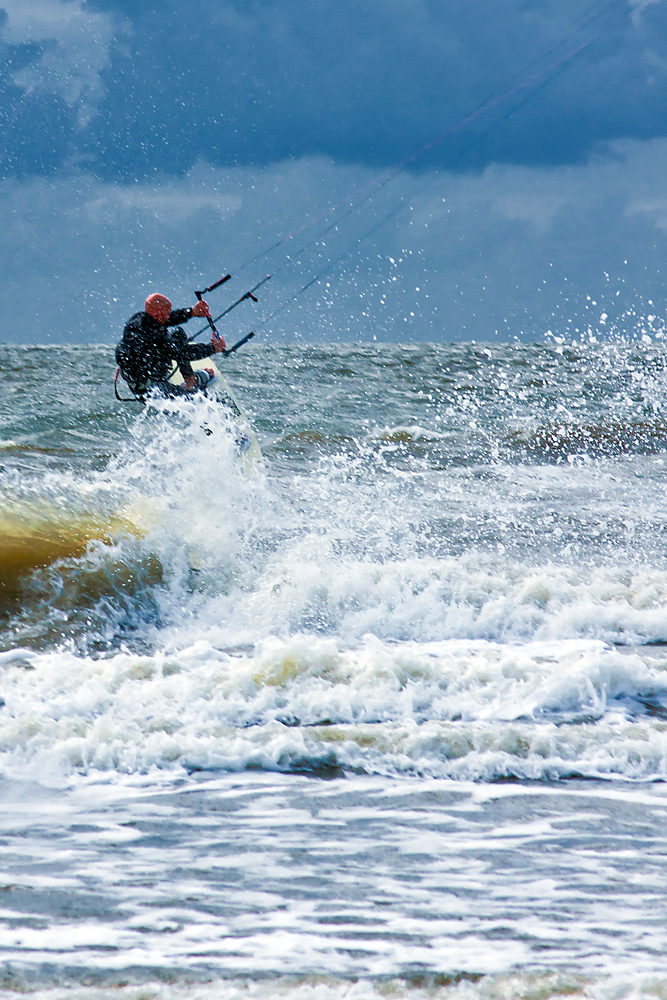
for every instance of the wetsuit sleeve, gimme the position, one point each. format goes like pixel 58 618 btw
pixel 178 316
pixel 184 352
pixel 197 351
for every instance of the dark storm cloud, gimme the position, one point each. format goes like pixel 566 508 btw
pixel 363 81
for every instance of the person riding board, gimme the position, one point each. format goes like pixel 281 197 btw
pixel 148 349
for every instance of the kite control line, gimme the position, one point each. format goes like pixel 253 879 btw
pixel 246 295
pixel 239 343
pixel 210 288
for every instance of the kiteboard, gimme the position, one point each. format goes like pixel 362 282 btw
pixel 219 389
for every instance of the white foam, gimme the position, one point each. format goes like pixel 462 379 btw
pixel 359 648
pixel 459 709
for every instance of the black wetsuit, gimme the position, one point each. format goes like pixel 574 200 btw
pixel 148 350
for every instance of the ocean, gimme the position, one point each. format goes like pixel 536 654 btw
pixel 383 716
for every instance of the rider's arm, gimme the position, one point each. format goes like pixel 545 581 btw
pixel 178 316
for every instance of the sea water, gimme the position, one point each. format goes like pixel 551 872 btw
pixel 383 716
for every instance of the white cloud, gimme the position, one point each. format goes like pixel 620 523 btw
pixel 535 207
pixel 656 210
pixel 76 49
pixel 170 204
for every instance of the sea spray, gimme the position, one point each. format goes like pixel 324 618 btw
pixel 386 716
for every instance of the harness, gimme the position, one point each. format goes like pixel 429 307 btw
pixel 122 399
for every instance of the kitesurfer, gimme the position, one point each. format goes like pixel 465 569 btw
pixel 148 349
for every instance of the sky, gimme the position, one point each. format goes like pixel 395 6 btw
pixel 158 145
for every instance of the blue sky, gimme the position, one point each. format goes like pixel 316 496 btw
pixel 155 145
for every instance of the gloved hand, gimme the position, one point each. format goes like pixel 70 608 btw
pixel 201 309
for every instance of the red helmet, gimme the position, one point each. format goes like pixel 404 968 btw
pixel 158 306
